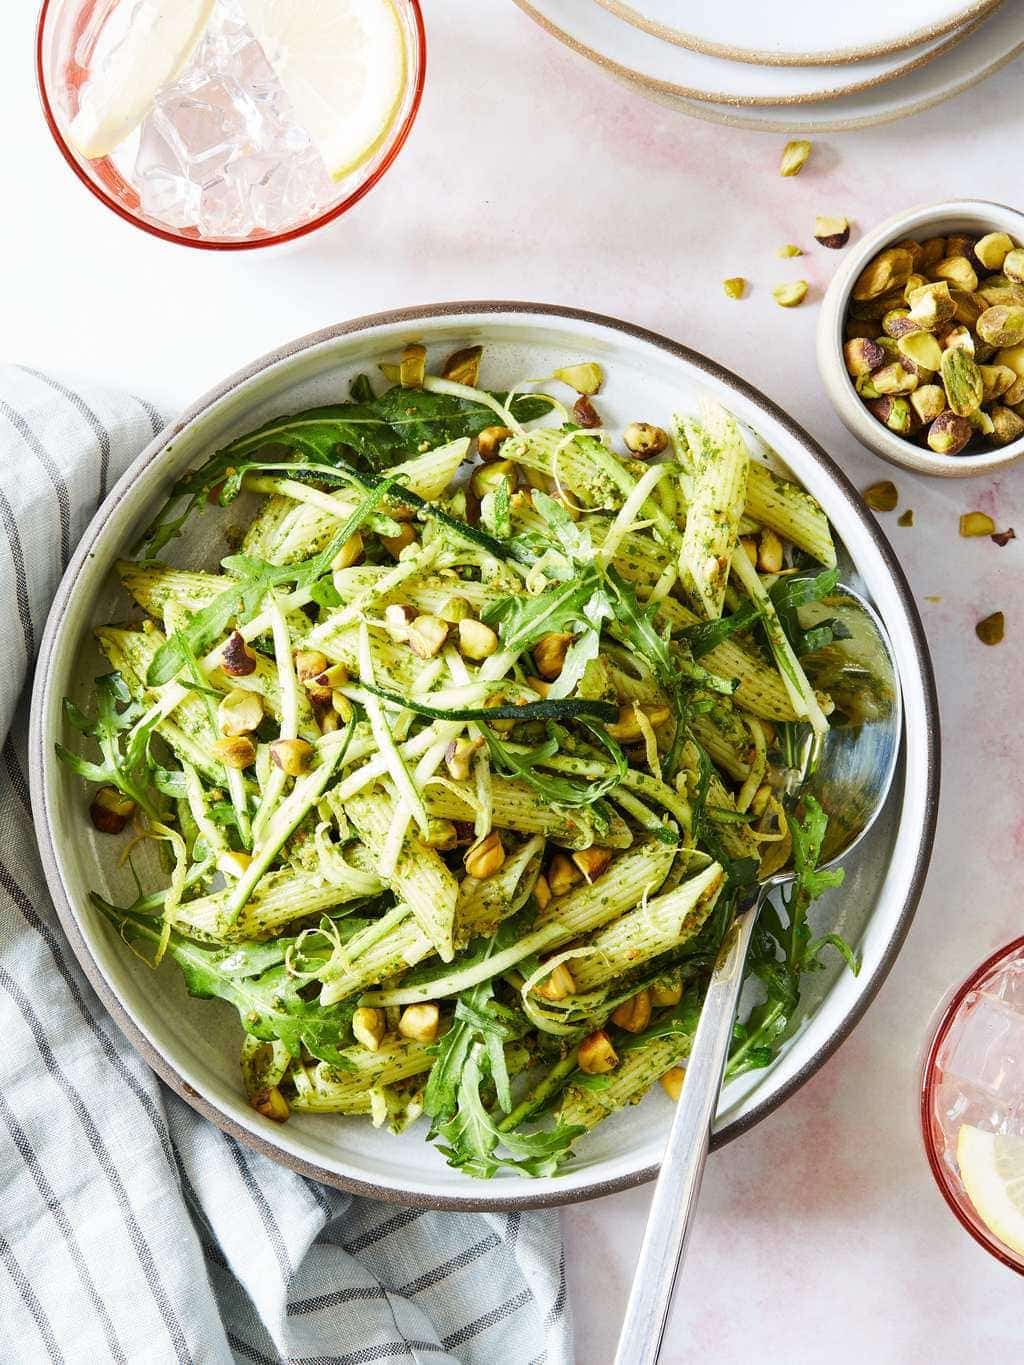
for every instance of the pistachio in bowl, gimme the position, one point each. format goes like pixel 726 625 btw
pixel 921 343
pixel 947 366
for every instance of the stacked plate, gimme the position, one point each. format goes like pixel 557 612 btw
pixel 803 66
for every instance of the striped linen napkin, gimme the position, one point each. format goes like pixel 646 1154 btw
pixel 132 1229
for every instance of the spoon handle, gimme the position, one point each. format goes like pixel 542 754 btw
pixel 682 1166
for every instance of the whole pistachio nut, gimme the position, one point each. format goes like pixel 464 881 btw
pixel 894 379
pixel 927 401
pixel 894 413
pixel 1002 325
pixel 862 355
pixel 992 249
pixel 1014 395
pixel 1013 265
pixel 921 349
pixel 958 271
pixel 794 157
pixel 413 366
pixel 949 433
pixel 898 323
pixel 933 250
pixel 997 380
pixel 960 244
pixel 962 381
pixel 878 307
pixel 888 271
pixel 1012 356
pixel 967 308
pixel 1007 425
pixel 931 306
pixel 915 249
pixel 1007 293
pixel 831 232
pixel 889 348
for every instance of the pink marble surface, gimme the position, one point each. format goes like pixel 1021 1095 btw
pixel 531 175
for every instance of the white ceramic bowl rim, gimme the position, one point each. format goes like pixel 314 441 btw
pixel 41 758
pixel 911 222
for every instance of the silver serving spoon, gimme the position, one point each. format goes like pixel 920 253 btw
pixel 850 777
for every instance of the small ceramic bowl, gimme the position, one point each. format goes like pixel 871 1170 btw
pixel 974 216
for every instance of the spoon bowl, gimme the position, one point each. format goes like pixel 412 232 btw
pixel 849 774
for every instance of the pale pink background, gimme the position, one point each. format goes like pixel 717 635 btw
pixel 532 175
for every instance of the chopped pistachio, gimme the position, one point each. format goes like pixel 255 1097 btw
pixel 1013 265
pixel 413 366
pixel 1004 537
pixel 831 232
pixel 882 497
pixel 906 518
pixel 863 355
pixel 784 253
pixel 463 367
pixel 932 597
pixel 794 157
pixel 922 349
pixel 976 524
pixel 584 378
pixel 790 295
pixel 735 287
pixel 990 631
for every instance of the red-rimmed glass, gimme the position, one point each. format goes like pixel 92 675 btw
pixel 61 72
pixel 948 1100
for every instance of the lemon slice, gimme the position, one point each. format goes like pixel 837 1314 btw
pixel 141 48
pixel 992 1169
pixel 342 65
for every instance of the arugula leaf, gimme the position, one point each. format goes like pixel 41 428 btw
pixel 790 594
pixel 782 949
pixel 253 978
pixel 383 430
pixel 704 636
pixel 122 730
pixel 472 1138
pixel 522 621
pixel 478 1018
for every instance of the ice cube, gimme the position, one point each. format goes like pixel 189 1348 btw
pixel 222 209
pixel 208 125
pixel 986 1049
pixel 171 199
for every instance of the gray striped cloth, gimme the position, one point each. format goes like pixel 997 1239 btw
pixel 131 1229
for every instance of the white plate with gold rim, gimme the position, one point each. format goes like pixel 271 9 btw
pixel 807 32
pixel 663 69
pixel 980 54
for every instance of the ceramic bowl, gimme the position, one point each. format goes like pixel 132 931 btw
pixel 973 216
pixel 192 1044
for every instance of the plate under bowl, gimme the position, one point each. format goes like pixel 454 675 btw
pixel 193 1045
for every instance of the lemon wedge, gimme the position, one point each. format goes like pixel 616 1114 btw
pixel 342 65
pixel 992 1169
pixel 140 49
